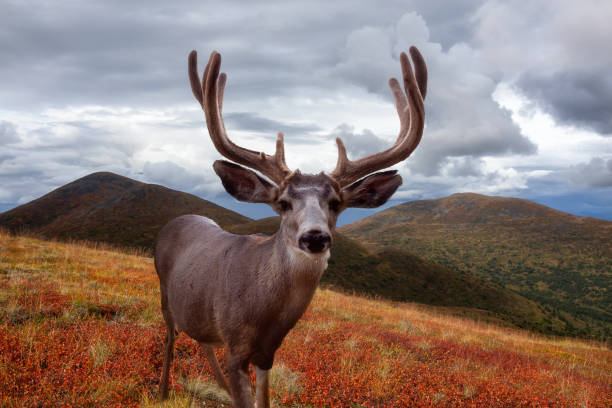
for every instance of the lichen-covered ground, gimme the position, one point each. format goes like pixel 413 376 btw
pixel 80 326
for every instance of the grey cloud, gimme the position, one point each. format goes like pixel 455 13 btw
pixel 573 97
pixel 52 159
pixel 596 173
pixel 172 175
pixel 464 167
pixel 135 53
pixel 359 144
pixel 554 53
pixel 87 146
pixel 8 133
pixel 254 122
pixel 468 135
pixel 462 118
pixel 366 58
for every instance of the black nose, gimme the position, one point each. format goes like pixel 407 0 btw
pixel 315 241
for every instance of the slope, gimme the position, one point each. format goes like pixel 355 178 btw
pixel 399 275
pixel 83 327
pixel 110 208
pixel 560 260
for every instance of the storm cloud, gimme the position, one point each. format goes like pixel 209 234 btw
pixel 596 173
pixel 576 98
pixel 103 86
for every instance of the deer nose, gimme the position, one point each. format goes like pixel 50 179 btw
pixel 315 241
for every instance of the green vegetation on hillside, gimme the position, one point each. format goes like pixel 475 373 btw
pixel 559 260
pixel 109 208
pixel 494 258
pixel 402 276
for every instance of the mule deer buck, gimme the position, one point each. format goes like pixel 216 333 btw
pixel 245 293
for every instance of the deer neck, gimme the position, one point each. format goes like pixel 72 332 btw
pixel 296 269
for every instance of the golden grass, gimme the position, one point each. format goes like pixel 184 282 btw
pixel 372 350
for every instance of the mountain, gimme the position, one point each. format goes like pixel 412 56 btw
pixel 110 208
pixel 127 213
pixel 402 276
pixel 560 260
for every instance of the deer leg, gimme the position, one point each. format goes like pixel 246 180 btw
pixel 262 388
pixel 169 352
pixel 216 368
pixel 239 381
pixel 168 355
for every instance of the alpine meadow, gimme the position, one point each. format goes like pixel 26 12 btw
pixel 383 204
pixel 80 326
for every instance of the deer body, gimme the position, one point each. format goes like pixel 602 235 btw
pixel 245 293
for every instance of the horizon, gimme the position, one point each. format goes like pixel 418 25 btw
pixel 258 211
pixel 517 104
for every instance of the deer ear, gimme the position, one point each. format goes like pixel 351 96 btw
pixel 243 184
pixel 372 191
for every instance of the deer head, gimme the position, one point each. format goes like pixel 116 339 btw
pixel 308 204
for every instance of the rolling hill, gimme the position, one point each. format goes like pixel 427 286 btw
pixel 557 259
pixel 402 276
pixel 110 208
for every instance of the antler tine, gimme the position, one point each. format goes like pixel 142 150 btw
pixel 209 93
pixel 194 81
pixel 411 112
pixel 420 70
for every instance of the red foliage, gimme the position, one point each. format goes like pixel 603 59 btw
pixel 42 299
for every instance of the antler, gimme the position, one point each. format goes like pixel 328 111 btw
pixel 209 93
pixel 411 111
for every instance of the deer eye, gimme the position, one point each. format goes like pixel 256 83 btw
pixel 285 205
pixel 334 205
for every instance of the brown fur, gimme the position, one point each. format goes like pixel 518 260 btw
pixel 245 293
pixel 242 292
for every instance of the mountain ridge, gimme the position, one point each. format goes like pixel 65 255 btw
pixel 402 276
pixel 107 207
pixel 123 212
pixel 555 258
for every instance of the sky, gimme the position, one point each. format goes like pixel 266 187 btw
pixel 519 99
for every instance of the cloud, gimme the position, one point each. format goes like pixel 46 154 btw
pixel 62 145
pixel 596 173
pixel 172 175
pixel 554 53
pixel 8 133
pixel 576 98
pixel 359 144
pixel 251 121
pixel 462 118
pixel 464 166
pixel 103 86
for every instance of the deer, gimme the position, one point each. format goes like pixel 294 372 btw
pixel 246 292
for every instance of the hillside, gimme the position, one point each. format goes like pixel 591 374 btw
pixel 104 207
pixel 83 327
pixel 110 208
pixel 402 276
pixel 557 259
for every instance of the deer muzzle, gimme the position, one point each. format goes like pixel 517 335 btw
pixel 315 241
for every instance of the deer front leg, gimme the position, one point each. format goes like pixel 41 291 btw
pixel 239 381
pixel 168 354
pixel 214 365
pixel 262 388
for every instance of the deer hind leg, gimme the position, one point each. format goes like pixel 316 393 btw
pixel 169 351
pixel 216 368
pixel 262 388
pixel 239 381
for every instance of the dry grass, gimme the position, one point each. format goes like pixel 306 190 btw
pixel 81 325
